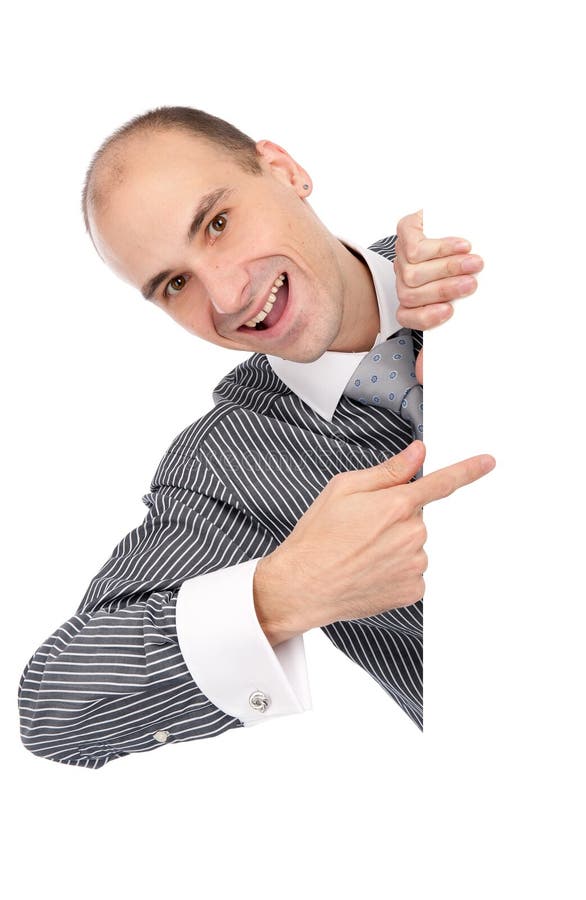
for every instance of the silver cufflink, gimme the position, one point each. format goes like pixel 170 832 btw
pixel 259 701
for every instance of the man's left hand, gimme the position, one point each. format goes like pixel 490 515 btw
pixel 429 274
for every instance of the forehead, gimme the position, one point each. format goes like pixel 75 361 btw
pixel 144 184
pixel 162 161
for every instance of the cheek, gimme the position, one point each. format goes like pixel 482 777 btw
pixel 189 316
pixel 199 322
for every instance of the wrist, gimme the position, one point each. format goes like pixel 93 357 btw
pixel 278 615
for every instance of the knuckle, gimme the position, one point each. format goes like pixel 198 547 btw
pixel 390 467
pixel 342 478
pixel 340 481
pixel 409 275
pixel 414 567
pixel 415 533
pixel 448 486
pixel 410 252
pixel 421 561
pixel 415 591
pixel 445 291
pixel 446 489
pixel 420 534
pixel 407 295
pixel 402 507
pixel 404 318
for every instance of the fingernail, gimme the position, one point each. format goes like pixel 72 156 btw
pixel 462 246
pixel 413 450
pixel 466 285
pixel 471 264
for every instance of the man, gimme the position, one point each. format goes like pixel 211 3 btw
pixel 194 625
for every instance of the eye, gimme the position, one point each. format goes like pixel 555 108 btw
pixel 218 224
pixel 175 286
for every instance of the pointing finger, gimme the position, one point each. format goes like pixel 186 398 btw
pixel 444 482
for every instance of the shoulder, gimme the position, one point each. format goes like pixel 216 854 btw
pixel 243 394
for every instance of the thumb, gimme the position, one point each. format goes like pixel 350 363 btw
pixel 410 233
pixel 398 469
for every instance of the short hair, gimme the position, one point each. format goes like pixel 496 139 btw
pixel 166 118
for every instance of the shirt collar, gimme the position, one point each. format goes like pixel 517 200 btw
pixel 321 383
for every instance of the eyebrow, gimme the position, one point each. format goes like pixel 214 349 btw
pixel 207 202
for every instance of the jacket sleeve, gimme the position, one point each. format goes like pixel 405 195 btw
pixel 112 680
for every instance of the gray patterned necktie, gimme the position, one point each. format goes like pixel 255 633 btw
pixel 386 377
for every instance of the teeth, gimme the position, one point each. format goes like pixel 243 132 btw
pixel 269 304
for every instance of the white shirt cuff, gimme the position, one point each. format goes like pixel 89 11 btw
pixel 228 654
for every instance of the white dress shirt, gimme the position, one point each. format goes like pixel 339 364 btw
pixel 224 647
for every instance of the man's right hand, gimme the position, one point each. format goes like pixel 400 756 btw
pixel 358 550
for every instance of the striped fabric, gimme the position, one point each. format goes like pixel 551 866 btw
pixel 230 488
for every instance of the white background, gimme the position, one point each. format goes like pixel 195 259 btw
pixel 473 114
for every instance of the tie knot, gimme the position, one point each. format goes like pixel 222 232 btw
pixel 386 377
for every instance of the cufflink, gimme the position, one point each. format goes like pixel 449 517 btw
pixel 259 701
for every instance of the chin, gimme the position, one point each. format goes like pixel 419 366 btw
pixel 306 354
pixel 318 346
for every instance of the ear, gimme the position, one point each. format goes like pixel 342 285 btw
pixel 278 163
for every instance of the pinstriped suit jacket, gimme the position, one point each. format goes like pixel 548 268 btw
pixel 112 675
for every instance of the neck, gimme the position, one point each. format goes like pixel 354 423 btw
pixel 360 317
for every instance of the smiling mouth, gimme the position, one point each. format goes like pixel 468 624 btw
pixel 273 309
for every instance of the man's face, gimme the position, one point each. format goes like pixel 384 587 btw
pixel 222 275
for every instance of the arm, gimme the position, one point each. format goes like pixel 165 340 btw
pixel 113 679
pixel 217 620
pixel 354 564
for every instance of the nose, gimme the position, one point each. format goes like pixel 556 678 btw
pixel 227 288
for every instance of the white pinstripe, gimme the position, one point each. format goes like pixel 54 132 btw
pixel 105 681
